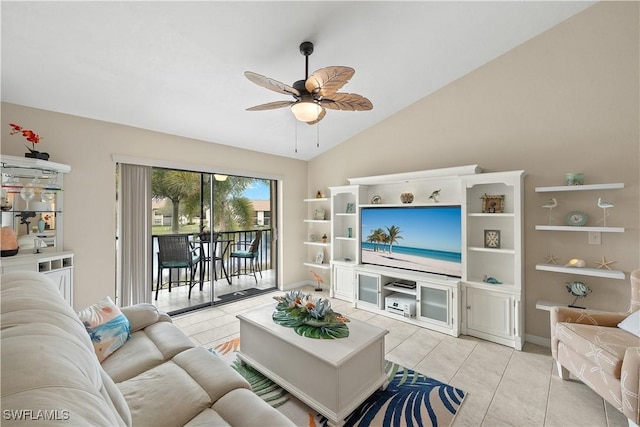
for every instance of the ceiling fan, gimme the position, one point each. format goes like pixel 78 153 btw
pixel 315 93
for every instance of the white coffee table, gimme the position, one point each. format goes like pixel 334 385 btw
pixel 332 376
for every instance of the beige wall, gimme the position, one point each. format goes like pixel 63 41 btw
pixel 89 220
pixel 565 101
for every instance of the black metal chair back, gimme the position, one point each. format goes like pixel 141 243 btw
pixel 175 251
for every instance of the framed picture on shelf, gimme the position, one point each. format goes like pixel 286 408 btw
pixel 351 208
pixel 319 214
pixel 492 239
pixel 319 257
pixel 493 204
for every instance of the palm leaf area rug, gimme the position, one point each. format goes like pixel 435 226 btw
pixel 411 399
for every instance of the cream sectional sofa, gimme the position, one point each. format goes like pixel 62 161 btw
pixel 50 372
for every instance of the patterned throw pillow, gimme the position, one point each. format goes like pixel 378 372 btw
pixel 107 326
pixel 631 324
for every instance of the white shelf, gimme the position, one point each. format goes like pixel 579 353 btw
pixel 319 221
pixel 319 199
pixel 400 289
pixel 613 186
pixel 345 214
pixel 546 305
pixel 494 215
pixel 320 266
pixel 492 250
pixel 317 244
pixel 579 228
pixel 478 282
pixel 594 272
pixel 408 205
pixel 352 239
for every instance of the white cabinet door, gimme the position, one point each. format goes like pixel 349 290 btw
pixel 62 278
pixel 490 313
pixel 438 305
pixel 343 282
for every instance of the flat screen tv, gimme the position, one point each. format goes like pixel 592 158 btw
pixel 418 238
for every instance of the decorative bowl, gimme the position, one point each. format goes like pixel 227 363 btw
pixel 406 197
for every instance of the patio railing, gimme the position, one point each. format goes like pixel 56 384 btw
pixel 238 240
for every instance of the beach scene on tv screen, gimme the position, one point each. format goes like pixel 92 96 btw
pixel 426 239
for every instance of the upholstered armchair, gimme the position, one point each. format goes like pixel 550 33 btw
pixel 590 345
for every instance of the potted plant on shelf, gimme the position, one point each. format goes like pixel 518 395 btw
pixel 31 137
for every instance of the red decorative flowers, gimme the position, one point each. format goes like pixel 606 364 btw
pixel 29 135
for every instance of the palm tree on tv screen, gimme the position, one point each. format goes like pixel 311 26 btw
pixel 376 237
pixel 393 236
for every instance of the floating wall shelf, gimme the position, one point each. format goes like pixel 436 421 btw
pixel 595 272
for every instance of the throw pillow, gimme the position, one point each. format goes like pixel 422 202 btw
pixel 631 324
pixel 108 328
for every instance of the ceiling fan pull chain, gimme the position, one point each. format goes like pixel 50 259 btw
pixel 317 135
pixel 295 126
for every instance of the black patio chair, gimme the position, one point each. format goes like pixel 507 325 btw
pixel 175 251
pixel 250 254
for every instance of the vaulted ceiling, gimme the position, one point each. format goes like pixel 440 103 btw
pixel 177 67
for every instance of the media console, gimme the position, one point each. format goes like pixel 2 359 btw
pixel 487 299
pixel 433 302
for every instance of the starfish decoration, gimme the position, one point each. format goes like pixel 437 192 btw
pixel 551 259
pixel 603 263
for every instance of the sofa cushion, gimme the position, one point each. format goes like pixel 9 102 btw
pixel 47 368
pixel 232 407
pixel 108 328
pixel 602 346
pixel 207 418
pixel 146 349
pixel 164 396
pixel 142 315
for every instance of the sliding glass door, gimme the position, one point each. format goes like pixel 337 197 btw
pixel 231 240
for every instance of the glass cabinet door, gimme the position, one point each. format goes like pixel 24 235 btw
pixel 32 206
pixel 368 288
pixel 434 303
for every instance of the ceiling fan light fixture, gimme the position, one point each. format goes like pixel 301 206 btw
pixel 306 111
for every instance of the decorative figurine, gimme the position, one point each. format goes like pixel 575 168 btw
pixel 576 262
pixel 434 196
pixel 319 195
pixel 551 259
pixel 578 290
pixel 603 263
pixel 406 197
pixel 604 206
pixel 552 203
pixel 491 280
pixel 318 281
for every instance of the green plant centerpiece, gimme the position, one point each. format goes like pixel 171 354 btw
pixel 310 316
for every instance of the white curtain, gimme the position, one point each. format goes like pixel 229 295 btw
pixel 134 261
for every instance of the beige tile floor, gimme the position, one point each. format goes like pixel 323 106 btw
pixel 505 387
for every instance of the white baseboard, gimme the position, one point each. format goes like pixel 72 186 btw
pixel 300 284
pixel 534 339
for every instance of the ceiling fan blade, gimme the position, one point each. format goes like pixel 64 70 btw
pixel 271 105
pixel 323 113
pixel 271 84
pixel 327 81
pixel 347 101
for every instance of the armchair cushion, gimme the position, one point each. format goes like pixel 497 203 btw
pixel 601 346
pixel 631 324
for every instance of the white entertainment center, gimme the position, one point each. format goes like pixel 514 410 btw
pixel 487 299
